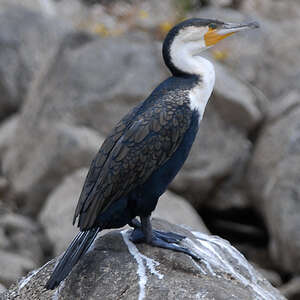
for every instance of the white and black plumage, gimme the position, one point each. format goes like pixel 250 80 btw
pixel 147 148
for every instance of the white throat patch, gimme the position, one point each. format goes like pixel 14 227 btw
pixel 199 95
pixel 184 52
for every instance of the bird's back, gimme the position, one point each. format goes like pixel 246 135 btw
pixel 143 141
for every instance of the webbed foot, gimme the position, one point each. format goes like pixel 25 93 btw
pixel 143 233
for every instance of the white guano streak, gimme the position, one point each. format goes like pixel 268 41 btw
pixel 210 244
pixel 140 259
pixel 24 281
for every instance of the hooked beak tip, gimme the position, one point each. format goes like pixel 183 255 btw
pixel 253 25
pixel 233 28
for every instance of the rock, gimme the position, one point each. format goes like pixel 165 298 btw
pixel 57 213
pixel 223 273
pixel 177 210
pixel 22 237
pixel 155 13
pixel 13 266
pixel 7 132
pixel 259 56
pixel 291 289
pixel 217 153
pixel 2 289
pixel 235 100
pixel 57 150
pixel 58 223
pixel 90 82
pixel 46 7
pixel 27 40
pixel 275 10
pixel 272 145
pixel 4 187
pixel 273 181
pixel 272 276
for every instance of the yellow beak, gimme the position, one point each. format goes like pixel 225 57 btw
pixel 213 36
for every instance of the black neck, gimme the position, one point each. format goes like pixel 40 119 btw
pixel 166 52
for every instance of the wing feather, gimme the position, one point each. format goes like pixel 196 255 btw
pixel 129 156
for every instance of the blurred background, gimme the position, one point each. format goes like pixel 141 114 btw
pixel 70 69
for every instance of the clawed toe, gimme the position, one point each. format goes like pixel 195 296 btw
pixel 169 237
pixel 166 240
pixel 163 244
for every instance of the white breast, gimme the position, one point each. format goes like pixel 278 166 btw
pixel 200 94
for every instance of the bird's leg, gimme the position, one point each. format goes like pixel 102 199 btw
pixel 169 237
pixel 143 233
pixel 147 229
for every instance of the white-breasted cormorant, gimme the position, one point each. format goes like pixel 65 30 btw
pixel 147 148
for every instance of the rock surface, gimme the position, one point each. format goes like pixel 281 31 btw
pixel 144 272
pixel 274 184
pixel 27 40
pixel 58 223
pixel 67 102
pixel 7 133
pixel 52 138
pixel 20 246
pixel 13 266
pixel 218 151
pixel 2 289
pixel 56 149
pixel 259 56
pixel 237 102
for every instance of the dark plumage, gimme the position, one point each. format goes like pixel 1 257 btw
pixel 148 147
pixel 144 140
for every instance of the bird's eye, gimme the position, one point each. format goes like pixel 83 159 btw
pixel 213 25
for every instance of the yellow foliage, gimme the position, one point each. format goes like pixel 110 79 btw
pixel 100 29
pixel 220 55
pixel 165 27
pixel 143 14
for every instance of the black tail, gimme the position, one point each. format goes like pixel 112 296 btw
pixel 78 247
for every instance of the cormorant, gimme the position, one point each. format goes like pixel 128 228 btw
pixel 147 148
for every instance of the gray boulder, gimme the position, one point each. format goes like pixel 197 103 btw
pixel 219 150
pixel 56 149
pixel 46 7
pixel 58 222
pixel 260 56
pixel 2 289
pixel 236 100
pixel 13 266
pixel 115 268
pixel 177 210
pixel 7 132
pixel 90 83
pixel 21 247
pixel 21 236
pixel 27 40
pixel 273 181
pixel 277 11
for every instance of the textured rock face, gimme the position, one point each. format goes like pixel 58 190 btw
pixel 217 152
pixel 55 150
pixel 58 223
pixel 235 100
pixel 7 132
pixel 20 247
pixel 51 138
pixel 260 56
pixel 115 268
pixel 27 39
pixel 274 183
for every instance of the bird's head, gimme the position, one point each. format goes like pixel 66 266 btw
pixel 193 36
